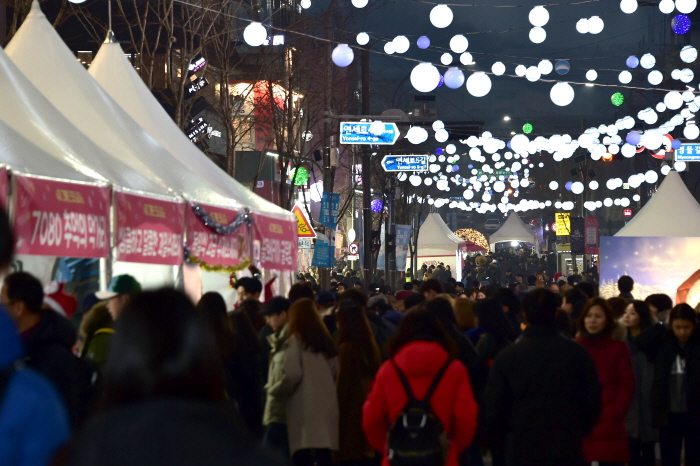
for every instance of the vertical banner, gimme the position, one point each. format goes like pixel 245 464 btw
pixel 211 248
pixel 150 231
pixel 4 178
pixel 323 252
pixel 53 218
pixel 403 237
pixel 275 243
pixel 578 240
pixel 563 223
pixel 380 257
pixel 592 242
pixel 330 203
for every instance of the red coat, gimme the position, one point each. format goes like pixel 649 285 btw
pixel 608 440
pixel 452 401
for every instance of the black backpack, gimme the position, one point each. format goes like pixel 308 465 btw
pixel 417 437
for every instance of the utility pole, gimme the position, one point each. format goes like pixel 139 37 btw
pixel 366 176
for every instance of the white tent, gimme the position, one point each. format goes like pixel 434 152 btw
pixel 513 230
pixel 46 61
pixel 437 243
pixel 117 76
pixel 671 212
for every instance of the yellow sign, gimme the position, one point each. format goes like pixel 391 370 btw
pixel 563 221
pixel 305 230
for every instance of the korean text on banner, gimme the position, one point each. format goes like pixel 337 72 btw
pixel 274 243
pixel 54 218
pixel 592 242
pixel 3 187
pixel 211 247
pixel 149 230
pixel 323 252
pixel 330 203
pixel 403 237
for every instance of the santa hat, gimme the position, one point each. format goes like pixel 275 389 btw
pixel 59 300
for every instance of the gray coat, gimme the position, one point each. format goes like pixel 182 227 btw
pixel 638 420
pixel 276 403
pixel 312 402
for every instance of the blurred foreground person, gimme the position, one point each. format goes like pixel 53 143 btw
pixel 164 396
pixel 542 396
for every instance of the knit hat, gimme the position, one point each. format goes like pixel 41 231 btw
pixel 59 300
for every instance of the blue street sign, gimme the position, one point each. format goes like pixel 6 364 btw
pixel 688 153
pixel 405 163
pixel 357 132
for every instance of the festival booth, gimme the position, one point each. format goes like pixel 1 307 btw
pixel 659 248
pixel 437 243
pixel 514 230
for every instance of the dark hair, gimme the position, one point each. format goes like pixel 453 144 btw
pixel 574 296
pixel 407 286
pixel 609 320
pixel 212 308
pixel 25 288
pixel 493 320
pixel 421 324
pixel 589 289
pixel 507 297
pixel 245 334
pixel 682 311
pixel 642 309
pixel 353 326
pixel 7 240
pixel 250 284
pixel 414 299
pixel 618 304
pixel 431 284
pixel 464 313
pixel 660 301
pixel 305 323
pixel 299 291
pixel 625 284
pixel 540 306
pixel 442 308
pixel 252 308
pixel 531 279
pixel 359 296
pixel 161 347
pixel 471 291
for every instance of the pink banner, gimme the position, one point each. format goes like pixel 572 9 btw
pixel 591 237
pixel 149 230
pixel 53 218
pixel 275 243
pixel 212 248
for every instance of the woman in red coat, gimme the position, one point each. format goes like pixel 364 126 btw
pixel 607 443
pixel 420 349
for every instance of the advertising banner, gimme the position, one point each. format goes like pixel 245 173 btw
pixel 563 223
pixel 591 225
pixel 330 203
pixel 403 237
pixel 275 243
pixel 215 249
pixel 54 218
pixel 578 239
pixel 323 252
pixel 150 231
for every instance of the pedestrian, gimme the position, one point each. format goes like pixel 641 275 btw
pixel 96 329
pixel 542 396
pixel 164 397
pixel 420 349
pixel 307 381
pixel 607 443
pixel 625 284
pixel 640 431
pixel 358 360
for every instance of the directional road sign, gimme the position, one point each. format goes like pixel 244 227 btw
pixel 357 132
pixel 688 153
pixel 405 163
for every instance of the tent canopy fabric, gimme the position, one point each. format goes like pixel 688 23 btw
pixel 117 76
pixel 513 230
pixel 671 212
pixel 435 238
pixel 46 61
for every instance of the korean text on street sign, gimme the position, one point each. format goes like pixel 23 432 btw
pixel 304 227
pixel 357 132
pixel 305 243
pixel 688 153
pixel 405 163
pixel 563 220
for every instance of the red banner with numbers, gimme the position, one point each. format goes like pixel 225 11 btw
pixel 274 243
pixel 54 218
pixel 150 231
pixel 210 247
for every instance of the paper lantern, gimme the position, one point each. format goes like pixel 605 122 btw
pixel 687 75
pixel 691 131
pixel 667 6
pixel 363 38
pixel 617 99
pixel 680 24
pixel 679 166
pixel 577 187
pixel 454 78
pixel 446 59
pixel 628 6
pixel 562 94
pixel 459 43
pixel 401 44
pixel 567 186
pixel 376 205
pixel 342 55
pixel 527 128
pixel 652 139
pixel 255 34
pixel 533 74
pixel 417 135
pixel 441 16
pixel 625 77
pixel 591 75
pixel 389 48
pixel 498 68
pixel 562 67
pixel 553 185
pixel 632 62
pixel 539 16
pixel 305 4
pixel 441 136
pixel 466 58
pixel 423 42
pixel 519 144
pixel 633 138
pixel 520 70
pixel 479 84
pixel 537 35
pixel 661 107
pixel 415 180
pixel 425 77
pixel 545 67
pixel 647 61
pixel 673 100
pixel 676 144
pixel 593 185
pixel 686 6
pixel 651 177
pixel 450 148
pixel 582 26
pixel 655 77
pixel 359 3
pixel 689 54
pixel 595 25
pixel 438 124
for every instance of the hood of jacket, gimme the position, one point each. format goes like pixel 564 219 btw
pixel 52 329
pixel 10 343
pixel 278 339
pixel 421 358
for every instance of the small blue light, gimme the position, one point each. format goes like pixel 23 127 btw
pixel 423 42
pixel 680 24
pixel 442 80
pixel 470 166
pixel 377 205
pixel 438 151
pixel 568 185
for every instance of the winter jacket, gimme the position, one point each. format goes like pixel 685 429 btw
pixel 452 402
pixel 244 385
pixel 608 441
pixel 542 398
pixel 308 382
pixel 167 431
pixel 638 421
pixel 33 420
pixel 276 403
pixel 96 346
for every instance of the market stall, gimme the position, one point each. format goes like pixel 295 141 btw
pixel 437 243
pixel 513 230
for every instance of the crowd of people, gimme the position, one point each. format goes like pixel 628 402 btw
pixel 438 373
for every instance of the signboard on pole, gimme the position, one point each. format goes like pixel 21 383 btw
pixel 591 225
pixel 357 132
pixel 688 153
pixel 304 226
pixel 353 249
pixel 330 203
pixel 563 222
pixel 627 213
pixel 405 163
pixel 578 239
pixel 305 243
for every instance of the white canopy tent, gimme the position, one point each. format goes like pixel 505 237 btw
pixel 513 230
pixel 437 243
pixel 671 212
